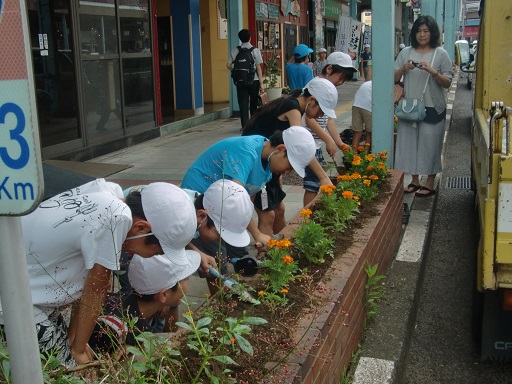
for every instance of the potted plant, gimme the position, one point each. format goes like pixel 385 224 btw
pixel 271 80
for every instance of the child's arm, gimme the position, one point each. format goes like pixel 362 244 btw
pixel 333 131
pixel 330 144
pixel 84 318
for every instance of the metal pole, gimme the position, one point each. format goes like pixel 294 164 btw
pixel 383 32
pixel 16 299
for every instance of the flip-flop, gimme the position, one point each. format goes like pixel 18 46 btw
pixel 414 188
pixel 429 193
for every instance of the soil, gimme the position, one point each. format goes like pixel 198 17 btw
pixel 273 341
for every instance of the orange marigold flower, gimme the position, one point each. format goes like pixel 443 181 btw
pixel 367 183
pixel 367 144
pixel 369 168
pixel 305 212
pixel 396 118
pixel 287 259
pixel 284 290
pixel 327 188
pixel 374 177
pixel 272 243
pixel 356 175
pixel 232 339
pixel 347 195
pixel 262 293
pixel 189 313
pixel 285 243
pixel 360 148
pixel 344 147
pixel 370 157
pixel 356 198
pixel 382 167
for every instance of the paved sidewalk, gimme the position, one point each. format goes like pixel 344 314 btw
pixel 167 159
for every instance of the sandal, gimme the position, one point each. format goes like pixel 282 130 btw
pixel 430 192
pixel 414 188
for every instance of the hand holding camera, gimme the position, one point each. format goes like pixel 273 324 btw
pixel 416 64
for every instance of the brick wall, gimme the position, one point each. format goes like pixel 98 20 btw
pixel 328 338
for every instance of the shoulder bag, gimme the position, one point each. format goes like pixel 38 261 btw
pixel 411 109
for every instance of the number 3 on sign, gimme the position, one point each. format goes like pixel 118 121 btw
pixel 16 136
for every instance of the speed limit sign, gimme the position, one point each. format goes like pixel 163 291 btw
pixel 20 156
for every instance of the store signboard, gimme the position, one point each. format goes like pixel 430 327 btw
pixel 332 9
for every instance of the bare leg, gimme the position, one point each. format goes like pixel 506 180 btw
pixel 308 197
pixel 265 221
pixel 356 139
pixel 368 138
pixel 279 220
pixel 416 181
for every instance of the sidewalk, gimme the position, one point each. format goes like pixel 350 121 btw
pixel 167 159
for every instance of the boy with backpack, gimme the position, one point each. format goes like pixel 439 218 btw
pixel 244 62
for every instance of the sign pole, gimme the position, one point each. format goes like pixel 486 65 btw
pixel 20 330
pixel 21 188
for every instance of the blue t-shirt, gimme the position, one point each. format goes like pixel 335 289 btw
pixel 234 158
pixel 298 75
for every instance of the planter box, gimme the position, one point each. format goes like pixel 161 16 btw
pixel 333 336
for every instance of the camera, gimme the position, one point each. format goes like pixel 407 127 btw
pixel 415 63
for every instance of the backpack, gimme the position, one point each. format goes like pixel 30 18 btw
pixel 243 67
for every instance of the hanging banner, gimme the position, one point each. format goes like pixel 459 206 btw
pixel 348 38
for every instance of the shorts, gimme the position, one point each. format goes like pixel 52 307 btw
pixel 311 181
pixel 361 116
pixel 275 194
pixel 52 335
pixel 228 252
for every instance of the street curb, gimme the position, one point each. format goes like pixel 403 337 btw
pixel 387 339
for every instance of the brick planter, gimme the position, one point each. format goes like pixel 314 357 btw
pixel 327 341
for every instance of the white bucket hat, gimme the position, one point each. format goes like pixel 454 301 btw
pixel 151 275
pixel 300 147
pixel 172 217
pixel 325 93
pixel 342 59
pixel 229 206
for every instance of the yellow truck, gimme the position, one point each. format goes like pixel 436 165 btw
pixel 491 168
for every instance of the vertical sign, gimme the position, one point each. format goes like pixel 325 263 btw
pixel 20 159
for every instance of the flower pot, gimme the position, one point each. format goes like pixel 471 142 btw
pixel 274 93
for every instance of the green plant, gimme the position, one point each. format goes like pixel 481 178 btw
pixel 311 241
pixel 373 290
pixel 272 70
pixel 280 266
pixel 335 212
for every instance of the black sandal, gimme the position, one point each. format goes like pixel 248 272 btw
pixel 414 188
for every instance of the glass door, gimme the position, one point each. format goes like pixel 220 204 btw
pixel 51 35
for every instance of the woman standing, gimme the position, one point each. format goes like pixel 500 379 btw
pixel 419 145
pixel 318 98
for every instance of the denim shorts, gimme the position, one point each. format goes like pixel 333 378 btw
pixel 311 181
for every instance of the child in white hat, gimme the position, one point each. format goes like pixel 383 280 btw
pixel 158 283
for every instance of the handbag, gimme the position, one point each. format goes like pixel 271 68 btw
pixel 398 92
pixel 413 109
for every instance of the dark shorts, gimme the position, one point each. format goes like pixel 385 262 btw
pixel 275 194
pixel 311 181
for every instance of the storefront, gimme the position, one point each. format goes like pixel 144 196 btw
pixel 280 26
pixel 331 14
pixel 93 69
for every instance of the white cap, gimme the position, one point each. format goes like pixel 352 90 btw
pixel 325 93
pixel 366 46
pixel 320 50
pixel 151 275
pixel 341 59
pixel 401 46
pixel 229 203
pixel 300 147
pixel 172 217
